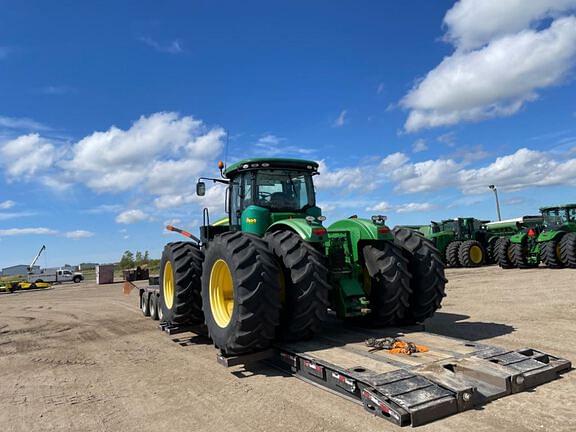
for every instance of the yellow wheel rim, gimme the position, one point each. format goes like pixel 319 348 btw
pixel 221 293
pixel 168 285
pixel 476 254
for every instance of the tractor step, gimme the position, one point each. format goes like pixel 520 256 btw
pixel 454 375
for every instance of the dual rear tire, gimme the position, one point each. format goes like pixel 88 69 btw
pixel 469 253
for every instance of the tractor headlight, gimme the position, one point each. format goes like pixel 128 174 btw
pixel 310 219
pixel 379 219
pixel 321 218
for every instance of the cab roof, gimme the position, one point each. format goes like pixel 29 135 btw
pixel 270 163
pixel 557 207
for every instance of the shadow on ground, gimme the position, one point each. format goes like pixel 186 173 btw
pixel 454 325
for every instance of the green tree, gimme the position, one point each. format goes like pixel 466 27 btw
pixel 146 259
pixel 127 260
pixel 138 258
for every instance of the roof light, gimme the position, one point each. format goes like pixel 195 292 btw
pixel 265 164
pixel 220 165
pixel 254 165
pixel 309 167
pixel 245 166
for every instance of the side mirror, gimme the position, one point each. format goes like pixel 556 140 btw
pixel 200 188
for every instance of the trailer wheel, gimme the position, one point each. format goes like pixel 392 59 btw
pixel 552 253
pixel 240 293
pixel 145 304
pixel 568 249
pixel 428 278
pixel 390 290
pixel 180 283
pixel 520 253
pixel 154 307
pixel 471 254
pixel 452 254
pixel 504 254
pixel 304 284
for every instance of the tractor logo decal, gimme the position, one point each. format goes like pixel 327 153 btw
pixel 251 220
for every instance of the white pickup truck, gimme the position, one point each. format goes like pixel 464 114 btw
pixel 55 275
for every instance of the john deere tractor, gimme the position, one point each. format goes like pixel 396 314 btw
pixel 557 240
pixel 462 241
pixel 271 270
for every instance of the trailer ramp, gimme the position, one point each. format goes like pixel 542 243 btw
pixel 454 375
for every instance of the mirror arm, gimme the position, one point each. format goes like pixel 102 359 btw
pixel 215 180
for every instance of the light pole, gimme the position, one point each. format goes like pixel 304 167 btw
pixel 493 188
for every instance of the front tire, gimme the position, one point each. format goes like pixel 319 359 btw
pixel 305 282
pixel 520 253
pixel 471 254
pixel 551 252
pixel 503 253
pixel 452 254
pixel 240 293
pixel 428 280
pixel 568 249
pixel 180 283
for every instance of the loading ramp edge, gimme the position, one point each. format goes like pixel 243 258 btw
pixel 419 394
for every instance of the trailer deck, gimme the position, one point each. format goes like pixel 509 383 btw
pixel 454 375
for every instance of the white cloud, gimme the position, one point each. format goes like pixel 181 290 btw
pixel 8 204
pixel 15 215
pixel 78 234
pixel 341 119
pixel 415 207
pixel 347 179
pixel 419 146
pixel 499 63
pixel 383 206
pixel 393 162
pixel 132 216
pixel 473 23
pixel 26 231
pixel 27 155
pixel 380 88
pixel 22 123
pixel 172 47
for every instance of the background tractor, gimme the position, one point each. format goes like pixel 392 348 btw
pixel 271 270
pixel 557 241
pixel 462 242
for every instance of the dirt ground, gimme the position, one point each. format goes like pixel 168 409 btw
pixel 82 358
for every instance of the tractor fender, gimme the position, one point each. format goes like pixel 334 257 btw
pixel 518 238
pixel 549 235
pixel 309 231
pixel 361 233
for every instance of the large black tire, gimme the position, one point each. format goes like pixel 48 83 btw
pixel 503 253
pixel 568 249
pixel 551 252
pixel 185 304
pixel 390 290
pixel 491 251
pixel 471 254
pixel 520 253
pixel 77 279
pixel 305 281
pixel 452 254
pixel 428 280
pixel 253 272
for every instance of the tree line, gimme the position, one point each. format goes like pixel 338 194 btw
pixel 131 260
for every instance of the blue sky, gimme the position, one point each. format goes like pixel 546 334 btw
pixel 109 111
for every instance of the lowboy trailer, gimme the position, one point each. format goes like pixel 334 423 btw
pixel 450 376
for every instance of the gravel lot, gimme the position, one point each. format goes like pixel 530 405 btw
pixel 82 358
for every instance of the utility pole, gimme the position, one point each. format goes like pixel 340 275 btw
pixel 493 188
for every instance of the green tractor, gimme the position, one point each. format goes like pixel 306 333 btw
pixel 271 270
pixel 557 240
pixel 462 241
pixel 513 241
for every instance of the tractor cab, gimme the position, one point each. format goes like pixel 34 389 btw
pixel 265 191
pixel 556 217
